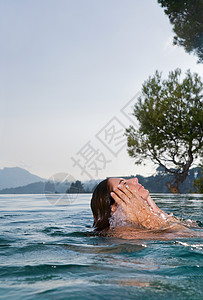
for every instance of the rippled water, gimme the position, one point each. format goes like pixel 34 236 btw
pixel 48 252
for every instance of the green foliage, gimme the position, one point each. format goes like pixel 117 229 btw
pixel 170 115
pixel 198 183
pixel 187 20
pixel 157 182
pixel 76 188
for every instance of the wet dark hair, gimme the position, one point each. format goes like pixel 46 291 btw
pixel 101 206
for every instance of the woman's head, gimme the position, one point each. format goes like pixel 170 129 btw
pixel 103 205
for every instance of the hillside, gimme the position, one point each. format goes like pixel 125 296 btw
pixel 157 183
pixel 14 177
pixel 32 188
pixel 154 183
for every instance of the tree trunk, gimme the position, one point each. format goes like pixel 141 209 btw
pixel 178 178
pixel 174 188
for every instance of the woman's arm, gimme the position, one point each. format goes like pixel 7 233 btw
pixel 154 207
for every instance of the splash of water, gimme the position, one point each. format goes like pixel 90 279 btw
pixel 118 219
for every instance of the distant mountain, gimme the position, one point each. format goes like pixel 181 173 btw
pixel 155 183
pixel 14 177
pixel 90 185
pixel 48 187
pixel 32 188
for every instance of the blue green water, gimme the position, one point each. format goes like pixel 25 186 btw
pixel 48 252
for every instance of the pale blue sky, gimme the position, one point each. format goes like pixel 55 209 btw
pixel 67 67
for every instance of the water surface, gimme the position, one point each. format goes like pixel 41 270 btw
pixel 47 251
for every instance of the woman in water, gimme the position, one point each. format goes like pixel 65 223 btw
pixel 124 208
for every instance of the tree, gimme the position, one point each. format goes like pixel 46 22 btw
pixel 76 188
pixel 186 16
pixel 170 130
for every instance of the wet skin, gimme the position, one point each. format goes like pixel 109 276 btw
pixel 146 220
pixel 133 183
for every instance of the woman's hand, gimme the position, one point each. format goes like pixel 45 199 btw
pixel 133 206
pixel 136 209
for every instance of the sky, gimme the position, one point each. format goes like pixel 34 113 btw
pixel 70 72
